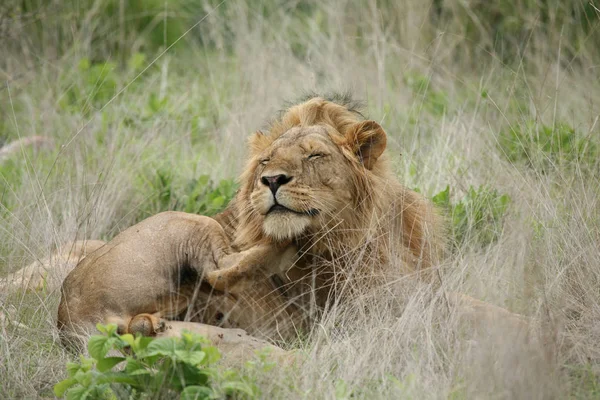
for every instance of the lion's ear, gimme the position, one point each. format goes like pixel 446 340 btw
pixel 368 140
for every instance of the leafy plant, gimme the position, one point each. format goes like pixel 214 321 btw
pixel 145 367
pixel 585 380
pixel 98 81
pixel 545 147
pixel 477 218
pixel 207 198
pixel 504 27
pixel 96 85
pixel 198 196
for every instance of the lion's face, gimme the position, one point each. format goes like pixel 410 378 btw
pixel 306 179
pixel 302 181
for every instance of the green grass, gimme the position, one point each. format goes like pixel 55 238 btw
pixel 477 219
pixel 197 195
pixel 549 147
pixel 491 110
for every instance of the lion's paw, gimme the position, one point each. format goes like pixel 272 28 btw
pixel 146 325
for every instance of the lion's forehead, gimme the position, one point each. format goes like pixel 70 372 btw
pixel 301 139
pixel 297 132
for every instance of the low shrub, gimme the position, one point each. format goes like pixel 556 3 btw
pixel 123 366
pixel 198 195
pixel 545 148
pixel 476 219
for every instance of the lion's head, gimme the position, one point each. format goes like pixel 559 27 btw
pixel 318 177
pixel 305 179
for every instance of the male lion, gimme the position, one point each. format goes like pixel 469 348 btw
pixel 318 177
pixel 317 182
pixel 318 216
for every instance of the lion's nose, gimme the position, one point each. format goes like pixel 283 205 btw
pixel 275 181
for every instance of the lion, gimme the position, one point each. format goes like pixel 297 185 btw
pixel 153 270
pixel 48 274
pixel 318 176
pixel 317 207
pixel 319 216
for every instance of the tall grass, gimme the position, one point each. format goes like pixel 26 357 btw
pixel 502 95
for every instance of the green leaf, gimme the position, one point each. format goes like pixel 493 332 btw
pixel 136 61
pixel 212 355
pixel 194 339
pixel 108 329
pixel 61 387
pixel 141 343
pixel 134 367
pixel 108 363
pixel 203 180
pixel 86 363
pixel 218 202
pixel 115 377
pixel 190 357
pixel 98 346
pixel 84 378
pixel 442 199
pixel 73 368
pixel 84 64
pixel 504 201
pixel 163 347
pixel 192 375
pixel 196 393
pixel 78 393
pixel 101 328
pixel 139 372
pixel 129 339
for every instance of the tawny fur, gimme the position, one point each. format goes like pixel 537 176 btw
pixel 158 269
pixel 348 221
pixel 352 221
pixel 364 229
pixel 383 228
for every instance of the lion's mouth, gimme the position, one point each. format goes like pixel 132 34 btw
pixel 279 209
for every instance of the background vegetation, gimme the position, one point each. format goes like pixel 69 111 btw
pixel 492 110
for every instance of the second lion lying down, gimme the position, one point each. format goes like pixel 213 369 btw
pixel 318 216
pixel 154 270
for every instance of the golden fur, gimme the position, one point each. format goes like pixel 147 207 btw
pixel 155 270
pixel 336 201
pixel 357 216
pixel 354 223
pixel 318 216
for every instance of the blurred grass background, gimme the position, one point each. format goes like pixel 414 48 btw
pixel 491 110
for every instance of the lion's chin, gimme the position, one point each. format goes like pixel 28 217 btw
pixel 282 226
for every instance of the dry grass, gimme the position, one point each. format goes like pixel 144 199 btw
pixel 403 342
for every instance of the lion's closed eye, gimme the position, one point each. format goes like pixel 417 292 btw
pixel 316 155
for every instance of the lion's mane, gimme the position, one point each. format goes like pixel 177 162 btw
pixel 391 229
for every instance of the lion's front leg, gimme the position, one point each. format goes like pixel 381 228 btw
pixel 239 271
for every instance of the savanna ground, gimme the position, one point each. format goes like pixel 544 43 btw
pixel 491 109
